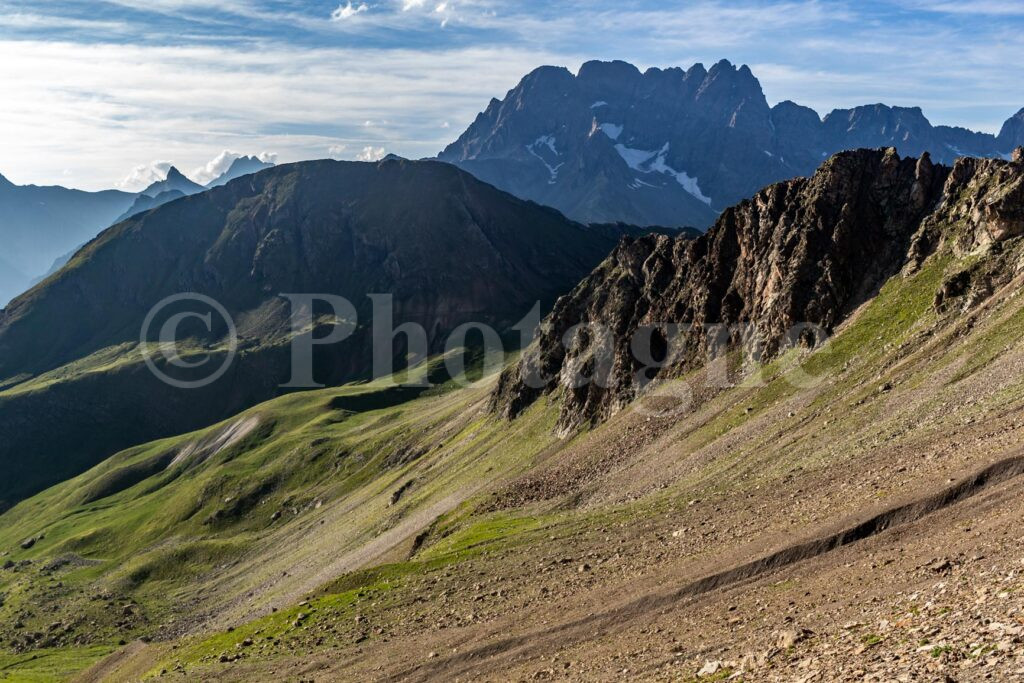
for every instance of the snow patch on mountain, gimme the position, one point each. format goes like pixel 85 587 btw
pixel 600 103
pixel 611 130
pixel 647 161
pixel 635 158
pixel 540 148
pixel 547 141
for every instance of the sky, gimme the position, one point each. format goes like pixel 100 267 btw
pixel 98 94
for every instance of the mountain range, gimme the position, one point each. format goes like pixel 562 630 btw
pixel 674 146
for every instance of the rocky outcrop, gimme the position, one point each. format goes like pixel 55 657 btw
pixel 807 251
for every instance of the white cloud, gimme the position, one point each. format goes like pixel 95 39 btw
pixel 217 166
pixel 144 175
pixel 214 168
pixel 371 153
pixel 348 11
pixel 105 106
pixel 337 151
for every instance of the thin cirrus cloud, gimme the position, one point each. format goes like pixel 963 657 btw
pixel 117 83
pixel 111 108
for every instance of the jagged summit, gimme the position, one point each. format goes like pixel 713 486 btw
pixel 675 147
pixel 241 166
pixel 175 180
pixel 808 250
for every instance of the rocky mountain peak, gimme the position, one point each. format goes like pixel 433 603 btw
pixel 4 182
pixel 241 166
pixel 696 72
pixel 603 74
pixel 547 77
pixel 791 113
pixel 175 180
pixel 724 76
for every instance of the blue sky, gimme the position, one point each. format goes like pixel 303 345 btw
pixel 106 93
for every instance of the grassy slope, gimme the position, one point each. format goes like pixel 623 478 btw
pixel 218 517
pixel 205 534
pixel 851 368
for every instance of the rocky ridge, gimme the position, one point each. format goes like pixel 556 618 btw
pixel 804 251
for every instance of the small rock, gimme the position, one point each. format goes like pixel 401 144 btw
pixel 28 543
pixel 710 669
pixel 790 638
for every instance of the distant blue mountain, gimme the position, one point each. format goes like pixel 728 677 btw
pixel 40 224
pixel 675 147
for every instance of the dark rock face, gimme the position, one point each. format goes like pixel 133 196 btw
pixel 674 147
pixel 808 250
pixel 449 248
